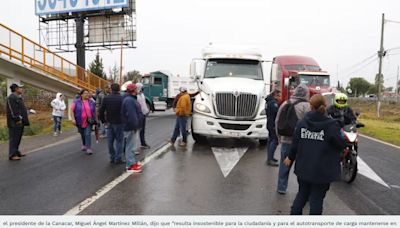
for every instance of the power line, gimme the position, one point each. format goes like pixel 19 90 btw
pixel 359 63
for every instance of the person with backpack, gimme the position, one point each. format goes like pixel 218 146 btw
pixel 271 108
pixel 289 113
pixel 318 143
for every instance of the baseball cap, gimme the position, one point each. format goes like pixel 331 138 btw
pixel 182 89
pixel 14 86
pixel 131 87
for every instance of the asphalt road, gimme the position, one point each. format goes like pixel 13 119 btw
pixel 183 181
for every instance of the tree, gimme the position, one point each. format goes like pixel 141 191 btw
pixel 97 68
pixel 133 76
pixel 114 73
pixel 359 86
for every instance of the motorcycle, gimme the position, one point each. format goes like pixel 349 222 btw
pixel 350 152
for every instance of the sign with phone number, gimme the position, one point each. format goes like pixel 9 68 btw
pixel 47 7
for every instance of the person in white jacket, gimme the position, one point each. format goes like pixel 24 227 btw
pixel 59 106
pixel 145 110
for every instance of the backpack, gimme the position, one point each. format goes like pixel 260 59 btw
pixel 287 119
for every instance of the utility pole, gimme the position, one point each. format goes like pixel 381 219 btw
pixel 381 54
pixel 397 86
pixel 120 66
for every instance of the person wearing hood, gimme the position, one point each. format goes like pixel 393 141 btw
pixel 141 99
pixel 58 105
pixel 271 108
pixel 301 97
pixel 317 145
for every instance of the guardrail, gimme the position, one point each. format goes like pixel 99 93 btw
pixel 22 49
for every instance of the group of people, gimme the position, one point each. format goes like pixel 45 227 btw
pixel 315 143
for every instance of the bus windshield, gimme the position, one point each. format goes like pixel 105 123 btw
pixel 314 80
pixel 242 68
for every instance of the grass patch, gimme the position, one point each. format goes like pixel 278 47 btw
pixel 387 131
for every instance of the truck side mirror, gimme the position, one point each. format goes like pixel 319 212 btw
pixel 286 82
pixel 274 72
pixel 197 68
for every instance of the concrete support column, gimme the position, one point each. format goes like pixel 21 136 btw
pixel 69 102
pixel 9 82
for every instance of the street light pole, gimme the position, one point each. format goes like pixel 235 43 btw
pixel 381 53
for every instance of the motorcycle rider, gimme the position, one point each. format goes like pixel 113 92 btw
pixel 341 111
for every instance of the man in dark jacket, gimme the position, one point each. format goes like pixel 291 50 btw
pixel 17 118
pixel 317 145
pixel 110 114
pixel 131 115
pixel 271 108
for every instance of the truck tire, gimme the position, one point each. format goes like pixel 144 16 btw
pixel 198 138
pixel 263 142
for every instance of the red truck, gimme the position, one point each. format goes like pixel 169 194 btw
pixel 288 71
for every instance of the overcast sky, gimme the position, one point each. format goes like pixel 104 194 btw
pixel 339 34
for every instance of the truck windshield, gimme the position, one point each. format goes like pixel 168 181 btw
pixel 302 67
pixel 314 80
pixel 242 68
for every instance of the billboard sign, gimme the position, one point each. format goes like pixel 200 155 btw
pixel 48 7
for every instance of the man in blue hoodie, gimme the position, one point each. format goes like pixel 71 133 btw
pixel 271 108
pixel 317 145
pixel 131 115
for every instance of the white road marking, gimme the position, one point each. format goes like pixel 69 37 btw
pixel 366 171
pixel 227 158
pixel 395 186
pixel 66 140
pixel 102 191
pixel 380 141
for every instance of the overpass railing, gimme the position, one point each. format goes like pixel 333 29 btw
pixel 19 48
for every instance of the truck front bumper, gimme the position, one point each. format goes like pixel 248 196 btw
pixel 221 128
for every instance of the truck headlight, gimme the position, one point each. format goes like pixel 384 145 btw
pixel 202 108
pixel 263 113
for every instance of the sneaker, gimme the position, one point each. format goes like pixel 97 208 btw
pixel 14 158
pixel 83 148
pixel 272 163
pixel 182 144
pixel 135 168
pixel 281 192
pixel 89 151
pixel 55 134
pixel 145 146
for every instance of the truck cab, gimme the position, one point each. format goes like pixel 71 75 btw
pixel 289 71
pixel 233 88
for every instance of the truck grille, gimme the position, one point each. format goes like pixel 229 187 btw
pixel 241 106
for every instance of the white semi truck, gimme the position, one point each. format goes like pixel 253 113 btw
pixel 234 82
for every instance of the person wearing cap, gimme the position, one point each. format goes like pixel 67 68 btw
pixel 132 117
pixel 58 106
pixel 17 119
pixel 110 114
pixel 145 110
pixel 182 111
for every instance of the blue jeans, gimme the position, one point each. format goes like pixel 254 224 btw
pixel 130 147
pixel 313 192
pixel 86 136
pixel 272 144
pixel 142 131
pixel 115 133
pixel 57 123
pixel 180 128
pixel 283 176
pixel 103 129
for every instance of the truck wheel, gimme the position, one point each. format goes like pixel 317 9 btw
pixel 198 138
pixel 263 142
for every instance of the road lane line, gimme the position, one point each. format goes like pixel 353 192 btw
pixel 366 171
pixel 380 141
pixel 66 140
pixel 102 191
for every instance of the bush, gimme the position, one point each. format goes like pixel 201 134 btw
pixel 3 134
pixel 33 129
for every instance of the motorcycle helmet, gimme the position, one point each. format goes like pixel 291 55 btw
pixel 340 100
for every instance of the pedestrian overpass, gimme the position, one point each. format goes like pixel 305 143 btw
pixel 23 60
